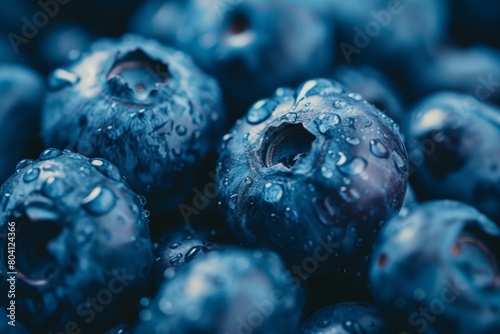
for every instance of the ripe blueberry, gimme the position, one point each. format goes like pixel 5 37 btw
pixel 21 97
pixel 232 291
pixel 255 46
pixel 83 254
pixel 452 142
pixel 436 269
pixel 312 174
pixel 145 107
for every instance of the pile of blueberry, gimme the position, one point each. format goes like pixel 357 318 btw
pixel 250 166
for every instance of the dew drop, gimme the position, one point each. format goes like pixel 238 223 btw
pixel 355 96
pixel 398 161
pixel 142 200
pixel 339 104
pixel 31 175
pixel 378 149
pixel 50 167
pixel 181 130
pixel 50 153
pixel 325 212
pixel 326 121
pixel 326 172
pixel 54 187
pixel 61 78
pixel 176 151
pixel 23 164
pixel 354 167
pixel 305 90
pixel 291 117
pixel 106 168
pixel 342 159
pixel 395 127
pixel 349 195
pixel 194 251
pixel 272 192
pixel 84 233
pixel 176 260
pixel 175 245
pixel 99 201
pixel 353 141
pixel 260 111
pixel 324 323
pixel 352 327
pixel 232 201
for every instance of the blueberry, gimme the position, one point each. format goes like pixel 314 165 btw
pixel 315 168
pixel 475 70
pixel 21 97
pixel 437 270
pixel 235 291
pixel 175 249
pixel 83 251
pixel 452 142
pixel 158 19
pixel 345 318
pixel 145 107
pixel 374 86
pixel 61 44
pixel 255 46
pixel 384 33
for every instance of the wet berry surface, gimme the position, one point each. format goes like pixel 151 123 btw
pixel 250 167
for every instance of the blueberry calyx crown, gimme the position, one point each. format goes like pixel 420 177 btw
pixel 285 144
pixel 135 76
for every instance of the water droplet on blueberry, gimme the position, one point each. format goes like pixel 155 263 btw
pixel 99 201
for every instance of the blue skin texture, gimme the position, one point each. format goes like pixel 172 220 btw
pixel 435 269
pixel 83 251
pixel 145 107
pixel 452 141
pixel 231 291
pixel 312 167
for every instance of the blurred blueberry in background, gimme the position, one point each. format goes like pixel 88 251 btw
pixel 452 141
pixel 22 92
pixel 251 46
pixel 61 44
pixel 474 70
pixel 435 270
